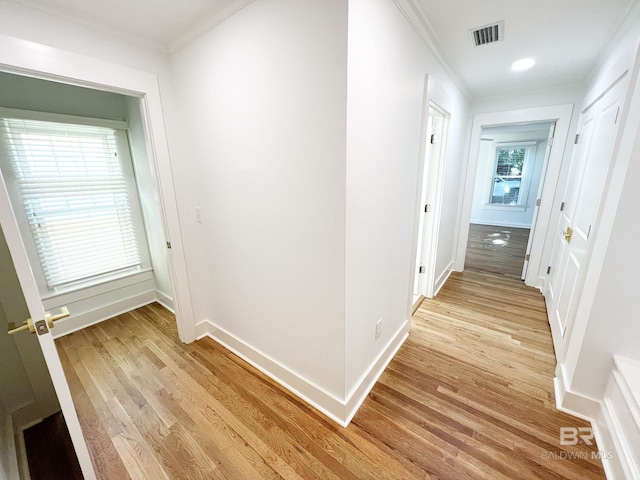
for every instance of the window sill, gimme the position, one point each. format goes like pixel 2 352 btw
pixel 97 287
pixel 509 208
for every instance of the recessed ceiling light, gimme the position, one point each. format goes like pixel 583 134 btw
pixel 523 64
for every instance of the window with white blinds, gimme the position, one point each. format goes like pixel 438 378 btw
pixel 76 198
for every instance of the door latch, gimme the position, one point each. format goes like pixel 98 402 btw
pixel 568 233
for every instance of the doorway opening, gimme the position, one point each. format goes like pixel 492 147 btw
pixel 509 179
pixel 76 165
pixel 507 167
pixel 46 383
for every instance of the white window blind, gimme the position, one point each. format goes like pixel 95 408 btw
pixel 74 191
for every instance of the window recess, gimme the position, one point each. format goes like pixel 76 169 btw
pixel 76 186
pixel 511 174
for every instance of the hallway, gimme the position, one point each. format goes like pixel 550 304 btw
pixel 468 396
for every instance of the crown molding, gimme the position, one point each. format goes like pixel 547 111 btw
pixel 420 23
pixel 206 23
pixel 90 23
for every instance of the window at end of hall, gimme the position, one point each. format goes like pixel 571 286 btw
pixel 510 173
pixel 75 198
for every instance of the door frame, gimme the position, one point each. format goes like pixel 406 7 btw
pixel 561 115
pixel 536 213
pixel 431 194
pixel 26 58
pixel 433 94
pixel 31 59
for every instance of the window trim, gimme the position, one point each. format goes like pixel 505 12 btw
pixel 525 176
pixel 124 149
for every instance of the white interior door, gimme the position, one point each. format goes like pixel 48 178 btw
pixel 578 220
pixel 45 339
pixel 430 204
pixel 536 211
pixel 418 283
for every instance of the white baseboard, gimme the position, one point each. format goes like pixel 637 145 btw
pixel 611 459
pixel 369 379
pixel 339 410
pixel 165 300
pixel 442 278
pixel 573 403
pixel 620 420
pixel 78 321
pixel 615 422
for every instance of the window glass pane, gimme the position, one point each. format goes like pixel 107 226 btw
pixel 75 196
pixel 507 180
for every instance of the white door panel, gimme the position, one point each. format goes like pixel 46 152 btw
pixel 586 186
pixel 431 195
pixel 567 293
pixel 45 339
pixel 539 193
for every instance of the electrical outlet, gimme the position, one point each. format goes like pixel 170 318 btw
pixel 378 329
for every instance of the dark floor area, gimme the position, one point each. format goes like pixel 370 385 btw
pixel 50 451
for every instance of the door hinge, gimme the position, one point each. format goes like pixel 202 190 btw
pixel 168 244
pixel 548 269
pixel 427 208
pixel 434 139
pixel 538 202
pixel 562 207
pixel 422 269
pixel 576 140
pixel 527 257
pixel 550 141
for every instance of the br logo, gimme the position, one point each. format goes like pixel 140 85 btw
pixel 573 436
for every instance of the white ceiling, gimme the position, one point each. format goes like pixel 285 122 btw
pixel 565 37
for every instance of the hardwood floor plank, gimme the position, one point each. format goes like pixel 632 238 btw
pixel 469 395
pixel 499 250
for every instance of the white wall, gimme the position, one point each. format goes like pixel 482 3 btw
pixel 257 134
pixel 149 203
pixel 454 171
pixel 387 67
pixel 264 95
pixel 506 216
pixel 267 89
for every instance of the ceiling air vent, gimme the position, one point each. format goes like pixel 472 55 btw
pixel 487 34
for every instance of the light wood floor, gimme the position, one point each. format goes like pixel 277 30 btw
pixel 495 249
pixel 468 396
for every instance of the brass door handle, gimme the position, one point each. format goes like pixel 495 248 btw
pixel 568 233
pixel 28 324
